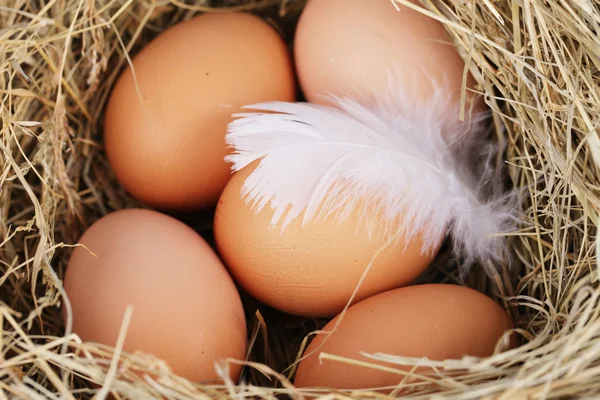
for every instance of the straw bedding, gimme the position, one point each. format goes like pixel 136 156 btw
pixel 538 65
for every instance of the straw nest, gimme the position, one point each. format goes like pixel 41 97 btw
pixel 538 65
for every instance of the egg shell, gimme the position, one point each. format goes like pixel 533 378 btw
pixel 437 321
pixel 166 143
pixel 353 47
pixel 310 270
pixel 186 309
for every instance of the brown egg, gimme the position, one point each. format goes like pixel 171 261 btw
pixel 309 270
pixel 166 143
pixel 436 321
pixel 350 47
pixel 186 309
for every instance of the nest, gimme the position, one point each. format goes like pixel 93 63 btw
pixel 537 64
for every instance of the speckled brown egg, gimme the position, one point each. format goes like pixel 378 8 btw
pixel 311 270
pixel 186 309
pixel 437 321
pixel 165 124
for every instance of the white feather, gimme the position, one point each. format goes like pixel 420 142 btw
pixel 416 163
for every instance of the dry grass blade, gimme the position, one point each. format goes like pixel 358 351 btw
pixel 538 64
